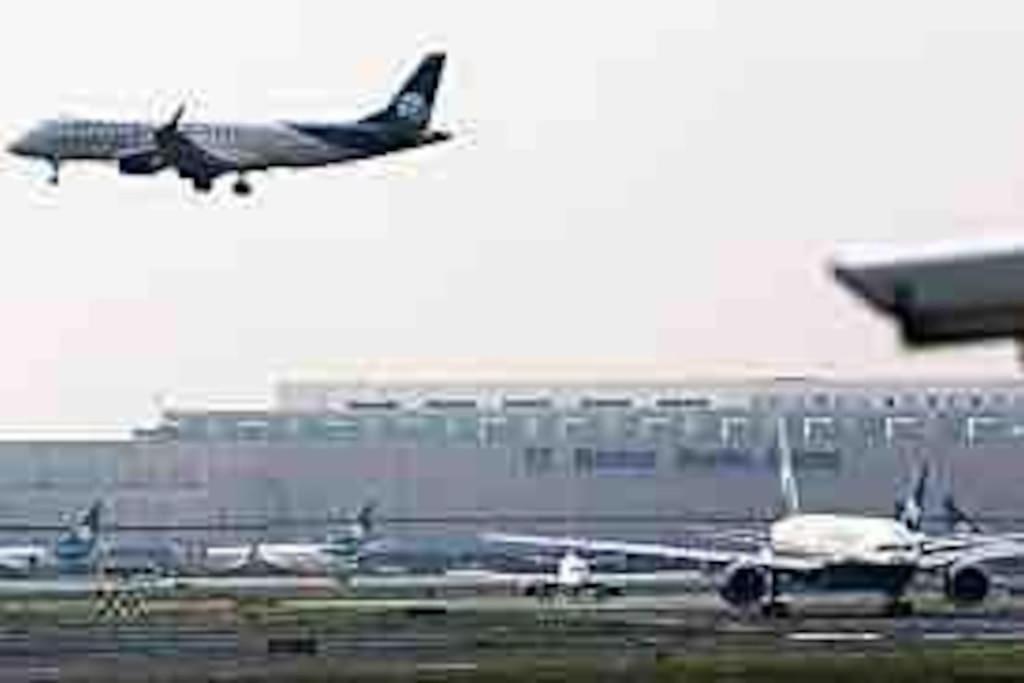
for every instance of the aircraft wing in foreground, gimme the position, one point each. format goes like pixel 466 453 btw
pixel 941 293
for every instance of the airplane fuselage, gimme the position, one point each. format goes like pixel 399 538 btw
pixel 287 558
pixel 202 152
pixel 856 552
pixel 241 147
pixel 844 538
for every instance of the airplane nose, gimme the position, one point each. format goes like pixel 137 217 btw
pixel 19 147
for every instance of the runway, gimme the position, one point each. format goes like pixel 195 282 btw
pixel 378 635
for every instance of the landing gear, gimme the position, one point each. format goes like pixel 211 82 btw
pixel 775 609
pixel 54 178
pixel 242 188
pixel 774 606
pixel 899 607
pixel 202 185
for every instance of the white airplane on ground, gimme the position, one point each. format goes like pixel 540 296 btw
pixel 201 152
pixel 337 555
pixel 573 578
pixel 75 551
pixel 827 552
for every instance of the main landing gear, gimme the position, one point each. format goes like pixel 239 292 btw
pixel 899 607
pixel 773 605
pixel 204 184
pixel 775 609
pixel 54 178
pixel 242 188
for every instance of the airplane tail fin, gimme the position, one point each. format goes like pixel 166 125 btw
pixel 414 102
pixel 787 477
pixel 957 519
pixel 88 523
pixel 364 522
pixel 910 511
pixel 77 546
pixel 252 554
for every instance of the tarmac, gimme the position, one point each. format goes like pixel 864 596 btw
pixel 396 635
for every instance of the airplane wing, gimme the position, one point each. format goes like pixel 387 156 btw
pixel 941 293
pixel 195 160
pixel 22 560
pixel 295 558
pixel 141 161
pixel 191 159
pixel 482 580
pixel 943 552
pixel 228 559
pixel 707 557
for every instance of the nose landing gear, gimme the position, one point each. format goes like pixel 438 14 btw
pixel 242 188
pixel 54 178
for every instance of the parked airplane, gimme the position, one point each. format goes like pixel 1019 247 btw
pixel 201 152
pixel 75 551
pixel 337 555
pixel 829 552
pixel 573 578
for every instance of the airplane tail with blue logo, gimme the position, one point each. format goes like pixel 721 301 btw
pixel 351 540
pixel 76 548
pixel 414 102
pixel 90 520
pixel 364 522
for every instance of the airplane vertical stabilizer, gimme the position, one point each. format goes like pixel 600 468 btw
pixel 76 547
pixel 364 521
pixel 414 102
pixel 911 510
pixel 957 519
pixel 787 478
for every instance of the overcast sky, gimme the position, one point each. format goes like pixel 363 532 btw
pixel 648 187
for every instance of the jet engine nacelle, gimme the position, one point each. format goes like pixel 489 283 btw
pixel 967 584
pixel 144 163
pixel 744 584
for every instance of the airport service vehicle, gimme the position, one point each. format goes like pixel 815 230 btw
pixel 75 551
pixel 202 152
pixel 827 552
pixel 337 555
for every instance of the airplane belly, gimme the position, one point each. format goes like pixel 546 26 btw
pixel 286 147
pixel 855 577
pixel 308 156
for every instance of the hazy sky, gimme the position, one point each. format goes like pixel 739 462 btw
pixel 649 185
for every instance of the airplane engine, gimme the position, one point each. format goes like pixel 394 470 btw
pixel 144 163
pixel 967 584
pixel 743 584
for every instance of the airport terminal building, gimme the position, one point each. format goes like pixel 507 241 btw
pixel 636 454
